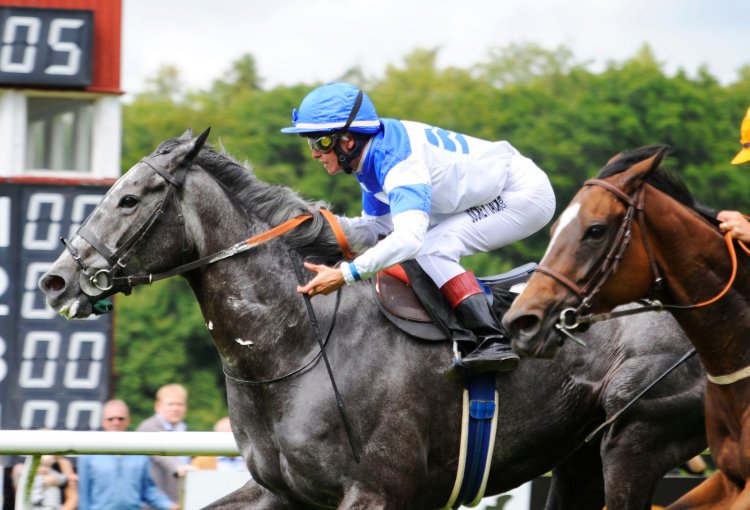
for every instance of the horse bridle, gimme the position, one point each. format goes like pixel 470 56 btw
pixel 572 318
pixel 98 283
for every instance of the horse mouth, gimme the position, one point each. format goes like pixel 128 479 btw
pixel 74 309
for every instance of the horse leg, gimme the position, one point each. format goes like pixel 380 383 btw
pixel 717 492
pixel 578 482
pixel 251 495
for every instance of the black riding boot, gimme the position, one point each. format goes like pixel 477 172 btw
pixel 493 352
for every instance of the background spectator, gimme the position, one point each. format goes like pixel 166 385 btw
pixel 118 482
pixel 171 407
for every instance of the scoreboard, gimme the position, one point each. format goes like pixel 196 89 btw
pixel 54 373
pixel 61 44
pixel 46 46
pixel 61 115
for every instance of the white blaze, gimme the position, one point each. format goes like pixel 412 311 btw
pixel 566 217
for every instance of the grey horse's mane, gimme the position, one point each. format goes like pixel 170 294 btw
pixel 271 204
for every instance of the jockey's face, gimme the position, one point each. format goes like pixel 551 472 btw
pixel 330 159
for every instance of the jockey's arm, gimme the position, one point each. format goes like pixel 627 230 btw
pixel 365 231
pixel 409 228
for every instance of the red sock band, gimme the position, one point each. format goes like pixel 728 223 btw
pixel 460 287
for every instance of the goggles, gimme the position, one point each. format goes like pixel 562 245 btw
pixel 324 143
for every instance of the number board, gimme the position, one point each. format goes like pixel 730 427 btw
pixel 46 46
pixel 54 373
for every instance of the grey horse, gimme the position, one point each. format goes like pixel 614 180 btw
pixel 186 202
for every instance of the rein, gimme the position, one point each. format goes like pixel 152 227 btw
pixel 101 282
pixel 571 318
pixel 296 371
pixel 97 282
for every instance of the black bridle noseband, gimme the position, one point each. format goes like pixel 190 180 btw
pixel 98 283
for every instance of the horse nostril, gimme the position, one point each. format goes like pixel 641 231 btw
pixel 526 325
pixel 52 283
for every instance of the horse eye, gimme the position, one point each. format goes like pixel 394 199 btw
pixel 595 232
pixel 128 202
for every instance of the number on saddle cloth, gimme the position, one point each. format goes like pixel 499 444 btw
pixel 409 298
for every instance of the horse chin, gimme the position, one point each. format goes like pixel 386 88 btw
pixel 74 308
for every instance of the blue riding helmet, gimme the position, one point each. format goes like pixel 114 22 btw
pixel 327 109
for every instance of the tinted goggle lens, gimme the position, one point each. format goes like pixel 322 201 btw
pixel 323 143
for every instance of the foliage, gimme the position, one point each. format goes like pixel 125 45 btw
pixel 160 338
pixel 557 111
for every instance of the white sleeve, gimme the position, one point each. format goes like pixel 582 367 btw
pixel 409 228
pixel 364 231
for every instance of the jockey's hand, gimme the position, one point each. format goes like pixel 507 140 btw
pixel 735 223
pixel 326 281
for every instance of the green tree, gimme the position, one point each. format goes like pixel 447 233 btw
pixel 160 338
pixel 553 108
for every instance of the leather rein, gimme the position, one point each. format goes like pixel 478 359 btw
pixel 100 282
pixel 571 318
pixel 96 283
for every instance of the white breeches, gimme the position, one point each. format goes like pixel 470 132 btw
pixel 524 207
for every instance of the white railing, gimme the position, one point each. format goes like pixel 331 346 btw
pixel 35 443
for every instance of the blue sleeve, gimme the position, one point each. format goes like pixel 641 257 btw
pixel 84 483
pixel 413 197
pixel 372 206
pixel 151 493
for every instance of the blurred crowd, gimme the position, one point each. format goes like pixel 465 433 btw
pixel 119 482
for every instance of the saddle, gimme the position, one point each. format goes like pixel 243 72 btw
pixel 411 301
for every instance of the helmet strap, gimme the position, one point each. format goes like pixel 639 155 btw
pixel 346 158
pixel 354 112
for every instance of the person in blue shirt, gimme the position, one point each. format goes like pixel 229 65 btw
pixel 428 194
pixel 118 482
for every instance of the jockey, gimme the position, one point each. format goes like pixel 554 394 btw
pixel 734 221
pixel 428 194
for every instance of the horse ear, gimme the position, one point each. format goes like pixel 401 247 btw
pixel 187 135
pixel 195 147
pixel 636 174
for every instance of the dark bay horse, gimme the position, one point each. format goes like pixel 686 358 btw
pixel 185 202
pixel 631 227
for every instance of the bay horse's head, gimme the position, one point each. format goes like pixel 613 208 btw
pixel 598 256
pixel 99 259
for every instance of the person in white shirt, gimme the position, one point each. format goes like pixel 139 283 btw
pixel 428 194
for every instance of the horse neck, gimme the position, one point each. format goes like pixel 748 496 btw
pixel 249 301
pixel 696 266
